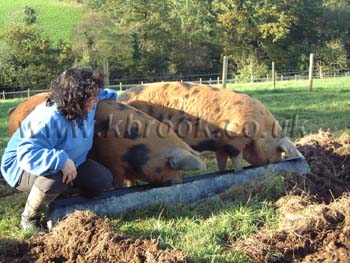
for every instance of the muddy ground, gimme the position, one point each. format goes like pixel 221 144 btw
pixel 313 225
pixel 314 219
pixel 84 237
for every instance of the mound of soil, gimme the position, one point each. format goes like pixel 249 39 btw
pixel 306 232
pixel 329 160
pixel 313 226
pixel 84 237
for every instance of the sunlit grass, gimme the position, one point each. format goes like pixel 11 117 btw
pixel 55 18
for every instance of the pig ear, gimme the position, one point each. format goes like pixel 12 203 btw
pixel 180 159
pixel 289 148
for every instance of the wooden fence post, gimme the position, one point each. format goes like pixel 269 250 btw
pixel 224 72
pixel 311 69
pixel 273 75
pixel 218 80
pixel 106 71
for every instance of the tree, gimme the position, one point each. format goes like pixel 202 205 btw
pixel 144 24
pixel 332 56
pixel 28 60
pixel 271 29
pixel 335 27
pixel 167 36
pixel 196 45
pixel 96 39
pixel 29 16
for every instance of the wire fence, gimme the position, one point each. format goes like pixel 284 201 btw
pixel 209 79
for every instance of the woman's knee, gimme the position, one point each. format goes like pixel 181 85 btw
pixel 51 184
pixel 93 178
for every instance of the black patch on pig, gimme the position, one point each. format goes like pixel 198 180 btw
pixel 136 106
pixel 231 151
pixel 217 110
pixel 195 91
pixel 99 127
pixel 197 122
pixel 137 156
pixel 121 106
pixel 188 86
pixel 181 119
pixel 238 103
pixel 187 96
pixel 151 111
pixel 133 133
pixel 217 133
pixel 160 117
pixel 133 104
pixel 208 145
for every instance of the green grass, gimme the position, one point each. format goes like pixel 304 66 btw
pixel 206 230
pixel 4 107
pixel 327 106
pixel 54 17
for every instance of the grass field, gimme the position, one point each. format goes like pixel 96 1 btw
pixel 327 106
pixel 206 229
pixel 54 17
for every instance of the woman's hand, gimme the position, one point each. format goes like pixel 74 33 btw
pixel 69 172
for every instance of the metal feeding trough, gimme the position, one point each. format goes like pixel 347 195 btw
pixel 192 189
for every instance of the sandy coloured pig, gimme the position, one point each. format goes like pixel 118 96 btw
pixel 239 126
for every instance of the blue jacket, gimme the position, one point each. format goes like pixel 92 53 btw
pixel 46 139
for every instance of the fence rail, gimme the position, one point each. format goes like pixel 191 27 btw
pixel 283 76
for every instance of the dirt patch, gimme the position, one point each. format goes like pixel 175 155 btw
pixel 308 233
pixel 84 237
pixel 313 226
pixel 329 160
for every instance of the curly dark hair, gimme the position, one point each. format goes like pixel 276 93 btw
pixel 72 89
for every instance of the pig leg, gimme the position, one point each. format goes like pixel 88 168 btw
pixel 221 159
pixel 237 162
